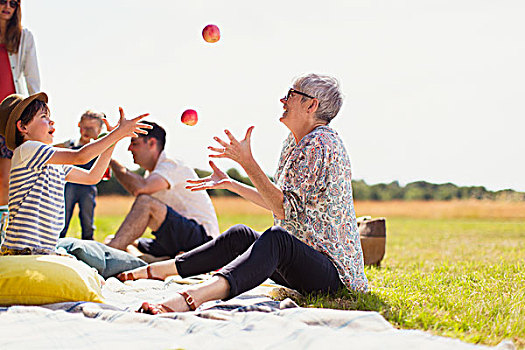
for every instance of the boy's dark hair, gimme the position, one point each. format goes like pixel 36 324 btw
pixel 27 116
pixel 157 133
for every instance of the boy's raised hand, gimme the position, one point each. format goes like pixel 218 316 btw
pixel 132 127
pixel 109 128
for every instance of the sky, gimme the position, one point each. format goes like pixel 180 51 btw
pixel 434 89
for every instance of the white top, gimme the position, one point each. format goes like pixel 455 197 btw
pixel 193 205
pixel 36 198
pixel 24 66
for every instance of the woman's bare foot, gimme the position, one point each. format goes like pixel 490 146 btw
pixel 156 271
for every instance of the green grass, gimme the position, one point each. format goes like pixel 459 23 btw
pixel 462 278
pixel 458 278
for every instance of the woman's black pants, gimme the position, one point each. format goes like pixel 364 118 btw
pixel 247 258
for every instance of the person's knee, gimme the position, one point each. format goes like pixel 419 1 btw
pixel 275 233
pixel 238 238
pixel 150 204
pixel 144 199
pixel 238 231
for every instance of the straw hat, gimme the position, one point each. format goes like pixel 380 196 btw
pixel 10 111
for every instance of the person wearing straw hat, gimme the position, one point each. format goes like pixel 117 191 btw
pixel 19 72
pixel 39 171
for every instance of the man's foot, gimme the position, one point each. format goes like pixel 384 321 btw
pixel 108 239
pixel 133 250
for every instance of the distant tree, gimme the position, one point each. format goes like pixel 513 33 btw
pixel 202 173
pixel 509 195
pixel 419 190
pixel 236 175
pixel 474 192
pixel 360 190
pixel 415 194
pixel 446 192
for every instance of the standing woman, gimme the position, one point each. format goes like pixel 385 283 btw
pixel 18 74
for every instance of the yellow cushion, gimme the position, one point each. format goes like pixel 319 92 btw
pixel 45 279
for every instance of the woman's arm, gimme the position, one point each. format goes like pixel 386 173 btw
pixel 220 180
pixel 271 194
pixel 31 73
pixel 249 193
pixel 240 152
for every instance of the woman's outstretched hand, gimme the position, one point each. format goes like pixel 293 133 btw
pixel 238 151
pixel 217 180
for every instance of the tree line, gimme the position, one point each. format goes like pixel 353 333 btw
pixel 422 190
pixel 418 190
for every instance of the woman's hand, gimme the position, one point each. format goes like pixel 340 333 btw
pixel 217 180
pixel 132 127
pixel 238 151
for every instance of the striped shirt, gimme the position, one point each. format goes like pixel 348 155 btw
pixel 36 198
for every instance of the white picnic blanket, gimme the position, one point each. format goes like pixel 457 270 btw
pixel 250 321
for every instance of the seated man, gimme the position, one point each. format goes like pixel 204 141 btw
pixel 180 219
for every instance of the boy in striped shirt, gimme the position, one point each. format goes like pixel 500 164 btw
pixel 39 171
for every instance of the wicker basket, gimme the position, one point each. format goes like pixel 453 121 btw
pixel 373 238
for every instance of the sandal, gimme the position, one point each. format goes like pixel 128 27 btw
pixel 128 276
pixel 150 276
pixel 153 309
pixel 189 300
pixel 125 276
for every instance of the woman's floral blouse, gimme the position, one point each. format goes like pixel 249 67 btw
pixel 315 178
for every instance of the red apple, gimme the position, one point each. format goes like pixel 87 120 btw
pixel 211 33
pixel 189 117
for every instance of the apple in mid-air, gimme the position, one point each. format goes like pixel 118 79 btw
pixel 211 33
pixel 189 117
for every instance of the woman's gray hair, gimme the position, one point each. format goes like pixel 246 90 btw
pixel 326 89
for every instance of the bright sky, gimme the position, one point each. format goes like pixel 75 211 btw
pixel 434 88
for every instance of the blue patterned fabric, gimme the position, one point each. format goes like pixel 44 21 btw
pixel 4 151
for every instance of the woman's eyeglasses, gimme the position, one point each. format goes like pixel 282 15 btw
pixel 293 91
pixel 12 3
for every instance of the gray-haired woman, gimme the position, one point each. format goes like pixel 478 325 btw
pixel 314 245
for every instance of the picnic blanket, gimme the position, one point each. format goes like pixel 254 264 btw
pixel 252 321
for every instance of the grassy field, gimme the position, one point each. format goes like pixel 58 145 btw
pixel 452 268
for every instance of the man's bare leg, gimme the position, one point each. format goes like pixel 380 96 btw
pixel 145 212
